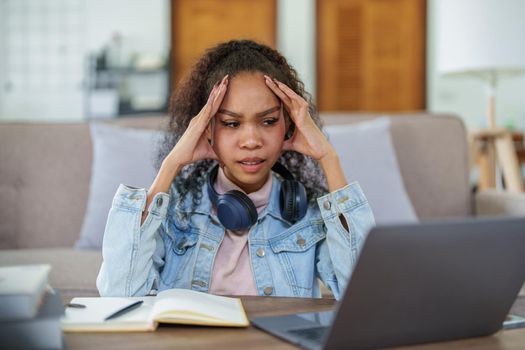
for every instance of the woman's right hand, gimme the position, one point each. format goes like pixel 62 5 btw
pixel 194 145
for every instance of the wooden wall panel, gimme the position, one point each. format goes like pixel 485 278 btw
pixel 199 24
pixel 371 55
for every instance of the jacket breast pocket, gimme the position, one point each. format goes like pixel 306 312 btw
pixel 295 250
pixel 179 253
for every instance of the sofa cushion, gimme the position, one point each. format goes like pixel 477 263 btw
pixel 493 202
pixel 44 177
pixel 367 155
pixel 44 180
pixel 431 150
pixel 72 272
pixel 120 155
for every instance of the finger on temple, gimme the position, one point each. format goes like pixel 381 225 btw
pixel 218 93
pixel 275 88
pixel 218 99
pixel 212 93
pixel 289 92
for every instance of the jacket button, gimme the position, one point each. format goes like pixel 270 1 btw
pixel 301 241
pixel 207 247
pixel 159 201
pixel 268 290
pixel 260 252
pixel 327 205
pixel 198 283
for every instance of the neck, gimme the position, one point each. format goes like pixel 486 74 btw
pixel 246 188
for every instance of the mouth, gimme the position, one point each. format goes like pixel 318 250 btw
pixel 251 161
pixel 251 165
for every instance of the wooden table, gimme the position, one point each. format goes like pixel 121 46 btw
pixel 191 337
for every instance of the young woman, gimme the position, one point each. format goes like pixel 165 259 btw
pixel 249 199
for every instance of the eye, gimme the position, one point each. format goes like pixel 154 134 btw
pixel 270 121
pixel 228 124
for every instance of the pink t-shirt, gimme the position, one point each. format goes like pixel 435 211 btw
pixel 232 271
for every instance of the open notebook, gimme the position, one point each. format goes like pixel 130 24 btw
pixel 170 306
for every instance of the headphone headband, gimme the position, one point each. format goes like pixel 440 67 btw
pixel 281 170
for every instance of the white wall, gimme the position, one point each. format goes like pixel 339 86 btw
pixel 296 38
pixel 467 96
pixel 41 67
pixel 143 24
pixel 2 56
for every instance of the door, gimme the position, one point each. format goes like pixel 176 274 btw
pixel 200 24
pixel 371 55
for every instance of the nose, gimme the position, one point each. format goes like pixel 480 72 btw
pixel 250 137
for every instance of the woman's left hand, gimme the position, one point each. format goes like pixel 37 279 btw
pixel 307 138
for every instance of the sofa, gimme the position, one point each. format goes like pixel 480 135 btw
pixel 45 172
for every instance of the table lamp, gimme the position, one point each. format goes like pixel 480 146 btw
pixel 484 39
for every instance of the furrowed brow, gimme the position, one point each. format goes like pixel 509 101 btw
pixel 268 111
pixel 260 114
pixel 230 113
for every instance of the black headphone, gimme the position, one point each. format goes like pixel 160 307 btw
pixel 236 211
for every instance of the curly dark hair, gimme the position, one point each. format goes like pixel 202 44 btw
pixel 234 57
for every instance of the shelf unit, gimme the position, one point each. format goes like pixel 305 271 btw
pixel 117 91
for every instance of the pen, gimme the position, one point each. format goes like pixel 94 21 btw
pixel 124 310
pixel 76 306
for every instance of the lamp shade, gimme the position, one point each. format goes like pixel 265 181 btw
pixel 480 36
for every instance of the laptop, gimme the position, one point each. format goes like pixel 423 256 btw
pixel 419 283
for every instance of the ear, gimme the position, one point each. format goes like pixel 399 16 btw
pixel 209 131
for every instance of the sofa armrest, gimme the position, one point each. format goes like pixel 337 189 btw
pixel 492 202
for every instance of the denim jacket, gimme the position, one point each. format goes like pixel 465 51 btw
pixel 175 247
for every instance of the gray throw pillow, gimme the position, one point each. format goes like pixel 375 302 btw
pixel 120 155
pixel 367 155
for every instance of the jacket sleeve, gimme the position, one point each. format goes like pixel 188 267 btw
pixel 338 253
pixel 132 254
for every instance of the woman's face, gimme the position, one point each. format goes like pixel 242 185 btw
pixel 248 132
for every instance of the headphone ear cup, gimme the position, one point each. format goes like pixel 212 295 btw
pixel 302 201
pixel 293 200
pixel 236 211
pixel 286 201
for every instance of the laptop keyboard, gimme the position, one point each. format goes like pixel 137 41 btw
pixel 314 334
